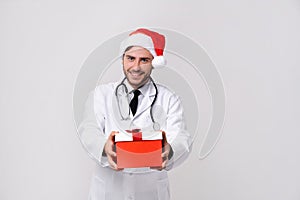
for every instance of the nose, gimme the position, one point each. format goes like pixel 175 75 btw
pixel 136 64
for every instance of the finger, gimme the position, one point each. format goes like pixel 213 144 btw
pixel 165 154
pixel 112 163
pixel 109 149
pixel 156 168
pixel 112 134
pixel 166 151
pixel 164 164
pixel 111 153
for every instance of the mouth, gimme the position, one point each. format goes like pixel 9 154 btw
pixel 135 74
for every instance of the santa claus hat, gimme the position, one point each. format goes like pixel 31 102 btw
pixel 150 40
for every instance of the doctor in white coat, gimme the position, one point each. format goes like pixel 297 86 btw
pixel 142 51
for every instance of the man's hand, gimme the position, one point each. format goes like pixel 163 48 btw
pixel 109 150
pixel 167 152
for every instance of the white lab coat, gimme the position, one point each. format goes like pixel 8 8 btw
pixel 99 121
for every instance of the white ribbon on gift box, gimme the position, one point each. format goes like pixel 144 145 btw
pixel 123 136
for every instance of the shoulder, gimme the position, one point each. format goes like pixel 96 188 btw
pixel 104 90
pixel 107 87
pixel 167 95
pixel 163 89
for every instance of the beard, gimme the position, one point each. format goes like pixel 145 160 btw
pixel 137 78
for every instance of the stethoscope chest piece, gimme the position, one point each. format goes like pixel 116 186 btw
pixel 156 126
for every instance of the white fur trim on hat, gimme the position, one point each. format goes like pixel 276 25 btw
pixel 146 42
pixel 138 40
pixel 159 62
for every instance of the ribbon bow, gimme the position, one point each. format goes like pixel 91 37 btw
pixel 136 134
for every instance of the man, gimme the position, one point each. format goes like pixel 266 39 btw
pixel 141 52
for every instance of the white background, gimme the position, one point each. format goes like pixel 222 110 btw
pixel 255 45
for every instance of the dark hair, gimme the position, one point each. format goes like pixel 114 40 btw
pixel 127 49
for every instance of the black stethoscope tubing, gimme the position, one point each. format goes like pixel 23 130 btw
pixel 155 124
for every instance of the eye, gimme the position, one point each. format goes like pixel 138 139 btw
pixel 130 58
pixel 145 60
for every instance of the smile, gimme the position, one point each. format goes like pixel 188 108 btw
pixel 136 73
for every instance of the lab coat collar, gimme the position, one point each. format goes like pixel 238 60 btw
pixel 148 91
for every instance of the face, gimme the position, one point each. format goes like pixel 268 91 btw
pixel 137 66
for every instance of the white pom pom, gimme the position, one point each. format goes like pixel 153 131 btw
pixel 159 62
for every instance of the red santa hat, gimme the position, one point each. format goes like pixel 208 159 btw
pixel 150 40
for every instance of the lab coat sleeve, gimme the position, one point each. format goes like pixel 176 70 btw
pixel 91 132
pixel 177 135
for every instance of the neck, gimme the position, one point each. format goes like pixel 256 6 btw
pixel 135 87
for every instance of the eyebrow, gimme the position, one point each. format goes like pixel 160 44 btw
pixel 129 56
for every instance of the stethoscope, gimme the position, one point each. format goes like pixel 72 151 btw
pixel 155 124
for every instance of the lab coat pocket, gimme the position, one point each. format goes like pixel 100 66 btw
pixel 163 189
pixel 97 190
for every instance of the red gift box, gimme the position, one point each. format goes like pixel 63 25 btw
pixel 136 149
